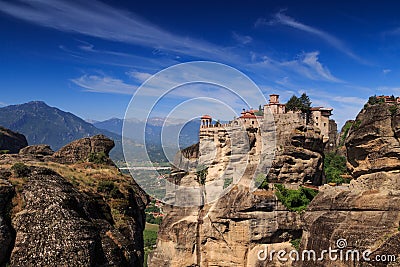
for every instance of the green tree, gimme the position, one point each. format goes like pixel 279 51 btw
pixel 293 104
pixel 295 200
pixel 201 174
pixel 334 168
pixel 302 103
pixel 305 103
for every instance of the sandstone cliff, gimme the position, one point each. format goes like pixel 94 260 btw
pixel 230 230
pixel 367 212
pixel 76 214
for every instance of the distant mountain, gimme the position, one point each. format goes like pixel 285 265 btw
pixel 42 124
pixel 188 132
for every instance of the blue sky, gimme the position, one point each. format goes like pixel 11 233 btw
pixel 89 57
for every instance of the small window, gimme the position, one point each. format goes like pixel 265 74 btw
pixel 324 124
pixel 316 123
pixel 316 118
pixel 252 122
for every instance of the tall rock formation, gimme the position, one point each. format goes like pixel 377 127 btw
pixel 299 151
pixel 367 212
pixel 230 230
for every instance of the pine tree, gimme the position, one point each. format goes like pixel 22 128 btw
pixel 305 103
pixel 293 103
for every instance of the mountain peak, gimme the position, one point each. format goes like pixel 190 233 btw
pixel 37 103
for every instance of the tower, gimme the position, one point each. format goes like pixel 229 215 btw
pixel 205 121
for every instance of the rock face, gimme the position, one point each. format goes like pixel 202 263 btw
pixel 81 150
pixel 58 234
pixel 6 232
pixel 11 141
pixel 373 141
pixel 37 150
pixel 90 215
pixel 367 212
pixel 299 156
pixel 232 229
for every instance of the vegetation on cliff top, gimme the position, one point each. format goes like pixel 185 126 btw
pixel 301 103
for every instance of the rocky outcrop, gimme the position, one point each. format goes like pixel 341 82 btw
pixel 58 234
pixel 94 148
pixel 373 141
pixel 299 157
pixel 79 214
pixel 232 229
pixel 37 150
pixel 11 142
pixel 365 213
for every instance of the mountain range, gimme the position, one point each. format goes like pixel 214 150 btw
pixel 42 124
pixel 154 128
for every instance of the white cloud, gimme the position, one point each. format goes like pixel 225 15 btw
pixel 242 39
pixel 386 71
pixel 104 84
pixel 96 19
pixel 139 76
pixel 305 65
pixel 281 19
pixel 311 60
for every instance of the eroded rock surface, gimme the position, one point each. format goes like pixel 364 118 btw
pixel 367 212
pixel 373 141
pixel 232 229
pixel 81 150
pixel 37 150
pixel 10 141
pixel 76 214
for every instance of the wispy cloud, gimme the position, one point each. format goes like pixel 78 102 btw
pixel 97 19
pixel 386 71
pixel 242 39
pixel 139 76
pixel 395 31
pixel 305 66
pixel 308 66
pixel 104 84
pixel 282 19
